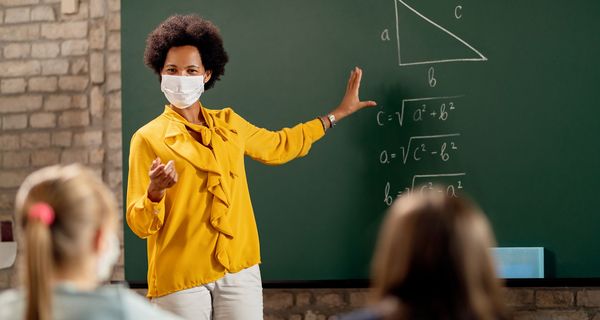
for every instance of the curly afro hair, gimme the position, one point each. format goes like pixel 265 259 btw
pixel 182 30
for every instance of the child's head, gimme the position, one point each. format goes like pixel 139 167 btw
pixel 434 256
pixel 69 220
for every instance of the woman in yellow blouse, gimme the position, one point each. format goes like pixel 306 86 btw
pixel 187 192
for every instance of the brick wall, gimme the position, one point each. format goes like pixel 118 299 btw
pixel 311 304
pixel 60 89
pixel 525 303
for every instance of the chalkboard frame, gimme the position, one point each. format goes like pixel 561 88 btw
pixel 523 49
pixel 364 283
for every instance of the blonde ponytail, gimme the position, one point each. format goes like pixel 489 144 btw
pixel 38 242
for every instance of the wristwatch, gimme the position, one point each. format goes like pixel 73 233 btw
pixel 331 118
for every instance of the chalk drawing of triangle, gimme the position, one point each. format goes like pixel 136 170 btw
pixel 432 43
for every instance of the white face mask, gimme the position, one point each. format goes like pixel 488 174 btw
pixel 182 91
pixel 108 258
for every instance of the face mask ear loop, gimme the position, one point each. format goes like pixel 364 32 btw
pixel 108 258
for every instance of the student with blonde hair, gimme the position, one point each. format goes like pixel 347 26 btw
pixel 69 223
pixel 433 261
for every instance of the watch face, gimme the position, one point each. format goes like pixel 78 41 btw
pixel 331 119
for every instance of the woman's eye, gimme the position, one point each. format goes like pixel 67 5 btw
pixel 171 70
pixel 192 71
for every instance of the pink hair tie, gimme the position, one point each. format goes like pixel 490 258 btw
pixel 43 212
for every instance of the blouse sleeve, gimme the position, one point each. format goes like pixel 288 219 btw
pixel 144 217
pixel 278 147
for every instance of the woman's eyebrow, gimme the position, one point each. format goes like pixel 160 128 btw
pixel 174 65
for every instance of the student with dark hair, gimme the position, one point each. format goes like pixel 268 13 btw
pixel 187 190
pixel 69 219
pixel 432 262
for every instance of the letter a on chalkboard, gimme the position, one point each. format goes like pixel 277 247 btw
pixel 426 42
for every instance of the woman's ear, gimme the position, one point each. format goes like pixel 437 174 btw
pixel 97 243
pixel 207 75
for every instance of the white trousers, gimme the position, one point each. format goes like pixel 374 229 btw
pixel 235 296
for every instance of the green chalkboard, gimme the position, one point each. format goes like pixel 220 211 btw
pixel 497 98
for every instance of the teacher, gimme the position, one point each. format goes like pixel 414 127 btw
pixel 187 192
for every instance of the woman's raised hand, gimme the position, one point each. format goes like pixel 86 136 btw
pixel 351 102
pixel 162 177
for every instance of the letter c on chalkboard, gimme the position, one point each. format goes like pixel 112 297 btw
pixel 457 12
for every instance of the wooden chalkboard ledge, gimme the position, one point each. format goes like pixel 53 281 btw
pixel 363 283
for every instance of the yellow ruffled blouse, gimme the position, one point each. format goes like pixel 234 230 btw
pixel 204 226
